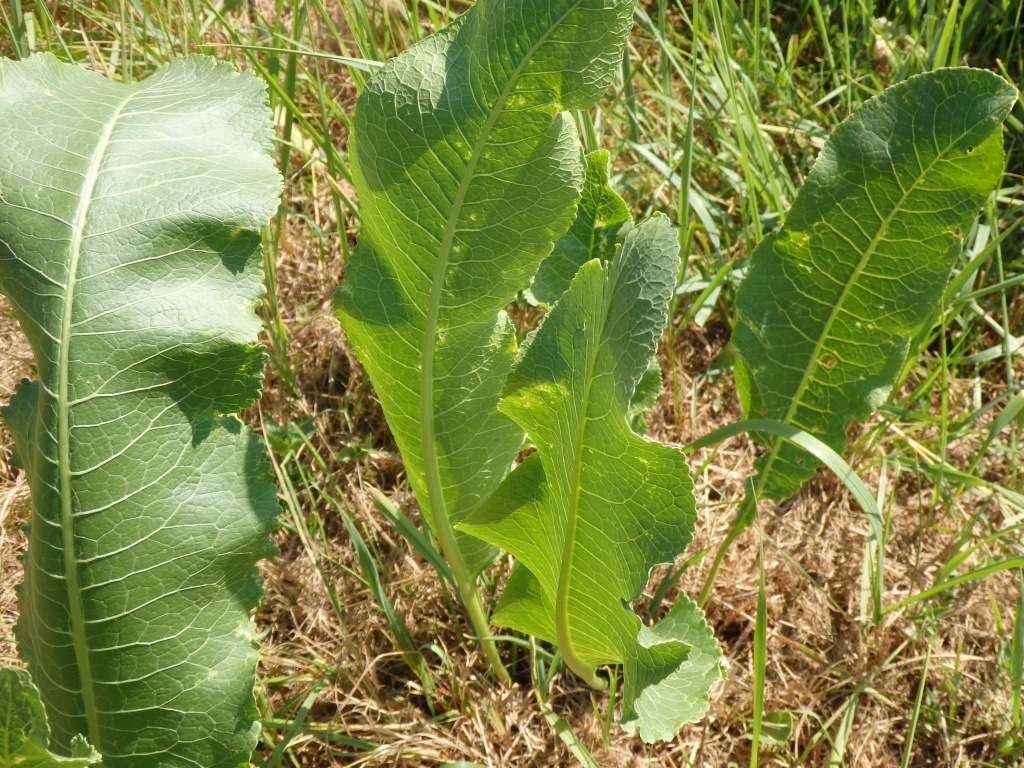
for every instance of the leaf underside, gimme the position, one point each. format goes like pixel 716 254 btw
pixel 129 247
pixel 467 169
pixel 832 298
pixel 596 507
pixel 25 732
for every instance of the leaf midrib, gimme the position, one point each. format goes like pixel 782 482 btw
pixel 834 314
pixel 435 497
pixel 67 521
pixel 562 629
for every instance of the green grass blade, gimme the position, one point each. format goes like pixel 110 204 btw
pixel 294 727
pixel 978 573
pixel 822 453
pixel 915 714
pixel 759 659
pixel 1017 657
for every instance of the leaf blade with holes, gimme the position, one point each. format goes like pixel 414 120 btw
pixel 827 310
pixel 129 246
pixel 597 506
pixel 467 169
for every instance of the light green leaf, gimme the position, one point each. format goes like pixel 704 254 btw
pixel 468 169
pixel 129 247
pixel 24 734
pixel 777 728
pixel 597 506
pixel 644 398
pixel 601 223
pixel 827 310
pixel 602 220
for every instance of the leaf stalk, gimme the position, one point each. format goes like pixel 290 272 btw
pixel 442 527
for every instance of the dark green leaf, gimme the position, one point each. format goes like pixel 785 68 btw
pixel 468 168
pixel 602 220
pixel 129 247
pixel 827 310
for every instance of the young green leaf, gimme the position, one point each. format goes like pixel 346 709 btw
pixel 602 220
pixel 129 247
pixel 597 506
pixel 26 736
pixel 827 310
pixel 467 168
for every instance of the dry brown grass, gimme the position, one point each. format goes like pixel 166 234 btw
pixel 818 653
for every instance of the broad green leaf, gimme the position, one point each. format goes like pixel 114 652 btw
pixel 596 507
pixel 24 734
pixel 832 298
pixel 602 220
pixel 468 169
pixel 601 223
pixel 129 247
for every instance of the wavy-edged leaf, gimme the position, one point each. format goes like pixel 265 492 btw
pixel 467 169
pixel 596 507
pixel 129 247
pixel 832 298
pixel 24 734
pixel 601 223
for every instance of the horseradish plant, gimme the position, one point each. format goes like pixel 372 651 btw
pixel 129 249
pixel 596 507
pixel 468 168
pixel 471 182
pixel 833 299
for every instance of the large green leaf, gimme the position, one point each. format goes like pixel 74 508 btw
pixel 602 220
pixel 467 169
pixel 832 298
pixel 596 507
pixel 129 247
pixel 26 735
